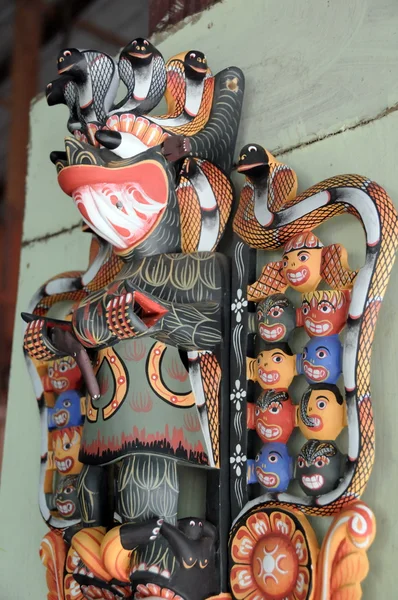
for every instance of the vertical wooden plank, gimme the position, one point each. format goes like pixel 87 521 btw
pixel 27 34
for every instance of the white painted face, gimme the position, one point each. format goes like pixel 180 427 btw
pixel 123 214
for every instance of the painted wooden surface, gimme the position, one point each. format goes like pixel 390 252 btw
pixel 313 69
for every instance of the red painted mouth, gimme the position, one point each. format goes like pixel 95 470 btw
pixel 59 383
pixel 316 423
pixel 66 507
pixel 315 373
pixel 198 69
pixel 319 328
pixel 297 277
pixel 269 480
pixel 65 465
pixel 137 55
pixel 272 334
pixel 268 377
pixel 268 433
pixel 243 168
pixel 61 418
pixel 313 482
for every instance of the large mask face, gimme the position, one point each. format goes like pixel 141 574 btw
pixel 302 261
pixel 66 444
pixel 66 412
pixel 318 467
pixel 64 374
pixel 322 412
pixel 320 360
pixel 274 416
pixel 276 318
pixel 66 499
pixel 324 312
pixel 273 467
pixel 276 367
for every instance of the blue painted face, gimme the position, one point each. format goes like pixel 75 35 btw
pixel 320 360
pixel 273 467
pixel 66 412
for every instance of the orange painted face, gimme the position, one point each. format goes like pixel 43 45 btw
pixel 321 414
pixel 66 445
pixel 302 260
pixel 276 367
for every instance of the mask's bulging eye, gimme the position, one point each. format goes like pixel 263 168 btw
pixel 273 458
pixel 322 353
pixel 321 404
pixel 192 55
pixel 192 523
pixel 305 309
pixel 67 53
pixel 252 149
pixel 300 462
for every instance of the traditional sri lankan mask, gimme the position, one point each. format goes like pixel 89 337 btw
pixel 321 413
pixel 323 312
pixel 318 467
pixel 276 367
pixel 64 374
pixel 276 318
pixel 274 416
pixel 320 360
pixel 66 499
pixel 66 412
pixel 66 445
pixel 302 261
pixel 272 468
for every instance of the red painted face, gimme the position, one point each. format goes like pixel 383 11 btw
pixel 64 375
pixel 274 416
pixel 324 312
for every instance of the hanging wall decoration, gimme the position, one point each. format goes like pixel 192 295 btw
pixel 167 365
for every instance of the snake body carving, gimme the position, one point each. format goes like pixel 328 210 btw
pixel 369 203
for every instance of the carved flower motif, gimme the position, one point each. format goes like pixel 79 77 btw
pixel 271 556
pixel 238 305
pixel 238 459
pixel 237 395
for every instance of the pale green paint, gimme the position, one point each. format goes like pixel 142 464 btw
pixel 312 68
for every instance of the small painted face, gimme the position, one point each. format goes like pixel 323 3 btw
pixel 274 416
pixel 276 318
pixel 139 51
pixel 320 361
pixel 301 262
pixel 276 368
pixel 273 467
pixel 66 444
pixel 324 312
pixel 66 498
pixel 195 63
pixel 64 375
pixel 68 60
pixel 318 467
pixel 322 413
pixel 192 527
pixel 253 161
pixel 66 412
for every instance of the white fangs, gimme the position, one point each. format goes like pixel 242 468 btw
pixel 269 378
pixel 313 482
pixel 298 276
pixel 270 334
pixel 315 421
pixel 65 508
pixel 58 385
pixel 61 418
pixel 63 465
pixel 268 432
pixel 267 480
pixel 316 329
pixel 314 373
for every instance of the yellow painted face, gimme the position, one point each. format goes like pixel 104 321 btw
pixel 302 269
pixel 66 447
pixel 275 369
pixel 320 416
